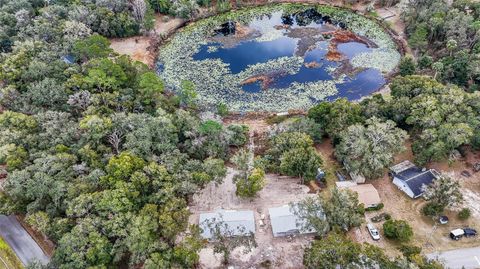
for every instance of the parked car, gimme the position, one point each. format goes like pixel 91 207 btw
pixel 457 234
pixel 465 173
pixel 340 176
pixel 443 219
pixel 381 217
pixel 469 232
pixel 373 232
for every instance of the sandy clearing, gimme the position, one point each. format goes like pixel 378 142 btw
pixel 279 190
pixel 143 48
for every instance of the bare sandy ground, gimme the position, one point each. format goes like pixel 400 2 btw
pixel 279 190
pixel 428 234
pixel 140 48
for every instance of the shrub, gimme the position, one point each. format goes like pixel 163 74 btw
pixel 407 66
pixel 410 250
pixel 397 230
pixel 464 214
pixel 425 61
pixel 375 208
pixel 222 109
pixel 432 209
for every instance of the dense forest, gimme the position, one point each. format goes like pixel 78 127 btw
pixel 102 158
pixel 98 157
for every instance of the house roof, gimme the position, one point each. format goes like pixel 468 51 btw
pixel 414 176
pixel 237 222
pixel 284 221
pixel 367 194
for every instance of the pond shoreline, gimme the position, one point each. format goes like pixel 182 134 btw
pixel 161 35
pixel 157 40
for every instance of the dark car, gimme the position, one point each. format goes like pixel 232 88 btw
pixel 469 232
pixel 443 220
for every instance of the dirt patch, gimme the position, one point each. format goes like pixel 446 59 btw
pixel 263 79
pixel 279 191
pixel 344 36
pixel 313 64
pixel 144 48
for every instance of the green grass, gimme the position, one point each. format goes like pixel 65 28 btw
pixel 8 259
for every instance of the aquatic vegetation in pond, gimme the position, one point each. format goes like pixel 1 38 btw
pixel 275 58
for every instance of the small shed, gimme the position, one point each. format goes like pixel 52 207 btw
pixel 412 179
pixel 237 222
pixel 284 222
pixel 367 195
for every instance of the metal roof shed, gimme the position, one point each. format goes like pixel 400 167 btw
pixel 237 222
pixel 284 222
pixel 367 195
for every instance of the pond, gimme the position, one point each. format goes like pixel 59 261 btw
pixel 279 57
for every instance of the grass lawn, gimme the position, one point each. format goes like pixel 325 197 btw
pixel 8 259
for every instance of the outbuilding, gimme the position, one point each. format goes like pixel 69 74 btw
pixel 236 223
pixel 367 195
pixel 284 222
pixel 412 179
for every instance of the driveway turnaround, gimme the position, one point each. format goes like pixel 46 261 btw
pixel 20 241
pixel 468 258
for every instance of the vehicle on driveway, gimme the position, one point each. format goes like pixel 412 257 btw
pixel 373 232
pixel 457 234
pixel 469 232
pixel 381 217
pixel 443 219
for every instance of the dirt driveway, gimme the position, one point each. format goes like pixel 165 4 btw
pixel 279 252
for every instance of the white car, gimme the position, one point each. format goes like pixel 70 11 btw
pixel 373 231
pixel 457 234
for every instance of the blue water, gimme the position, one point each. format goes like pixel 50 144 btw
pixel 250 52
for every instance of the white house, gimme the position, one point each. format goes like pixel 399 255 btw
pixel 284 222
pixel 236 223
pixel 412 179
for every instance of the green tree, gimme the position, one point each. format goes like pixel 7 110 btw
pixel 407 66
pixel 250 186
pixel 444 192
pixel 398 230
pixel 342 209
pixel 333 251
pixel 300 162
pixel 83 247
pixel 121 167
pixel 369 150
pixel 95 46
pixel 336 116
pixel 312 215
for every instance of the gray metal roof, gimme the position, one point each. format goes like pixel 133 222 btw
pixel 414 176
pixel 284 222
pixel 237 222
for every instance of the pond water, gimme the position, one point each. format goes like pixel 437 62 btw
pixel 250 63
